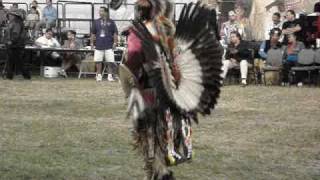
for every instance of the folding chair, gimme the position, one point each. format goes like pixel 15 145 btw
pixel 317 65
pixel 306 59
pixel 117 57
pixel 87 66
pixel 273 65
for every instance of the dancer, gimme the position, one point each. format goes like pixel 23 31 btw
pixel 170 74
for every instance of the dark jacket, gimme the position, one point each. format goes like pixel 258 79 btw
pixel 239 52
pixel 317 7
pixel 15 34
pixel 3 16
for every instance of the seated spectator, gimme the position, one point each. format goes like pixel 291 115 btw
pixel 290 57
pixel 49 16
pixel 237 54
pixel 47 41
pixel 273 42
pixel 32 19
pixel 71 58
pixel 292 25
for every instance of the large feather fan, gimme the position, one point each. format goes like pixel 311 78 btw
pixel 115 4
pixel 189 81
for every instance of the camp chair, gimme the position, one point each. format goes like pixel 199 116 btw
pixel 273 65
pixel 306 59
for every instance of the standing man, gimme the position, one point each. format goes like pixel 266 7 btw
pixel 230 26
pixel 105 32
pixel 276 23
pixel 49 17
pixel 316 8
pixel 15 45
pixel 3 15
pixel 292 25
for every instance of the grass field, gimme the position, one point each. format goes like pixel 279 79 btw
pixel 76 130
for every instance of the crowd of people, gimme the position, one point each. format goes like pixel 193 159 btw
pixel 35 19
pixel 17 25
pixel 284 33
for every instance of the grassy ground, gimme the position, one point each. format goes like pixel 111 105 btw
pixel 76 130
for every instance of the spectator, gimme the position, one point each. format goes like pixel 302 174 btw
pixel 276 23
pixel 244 22
pixel 3 21
pixel 317 7
pixel 32 20
pixel 47 41
pixel 290 57
pixel 230 26
pixel 15 7
pixel 292 25
pixel 71 58
pixel 106 34
pixel 3 15
pixel 237 54
pixel 273 42
pixel 15 45
pixel 49 16
pixel 34 3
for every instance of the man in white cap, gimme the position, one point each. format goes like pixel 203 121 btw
pixel 229 26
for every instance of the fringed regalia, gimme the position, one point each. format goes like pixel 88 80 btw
pixel 170 74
